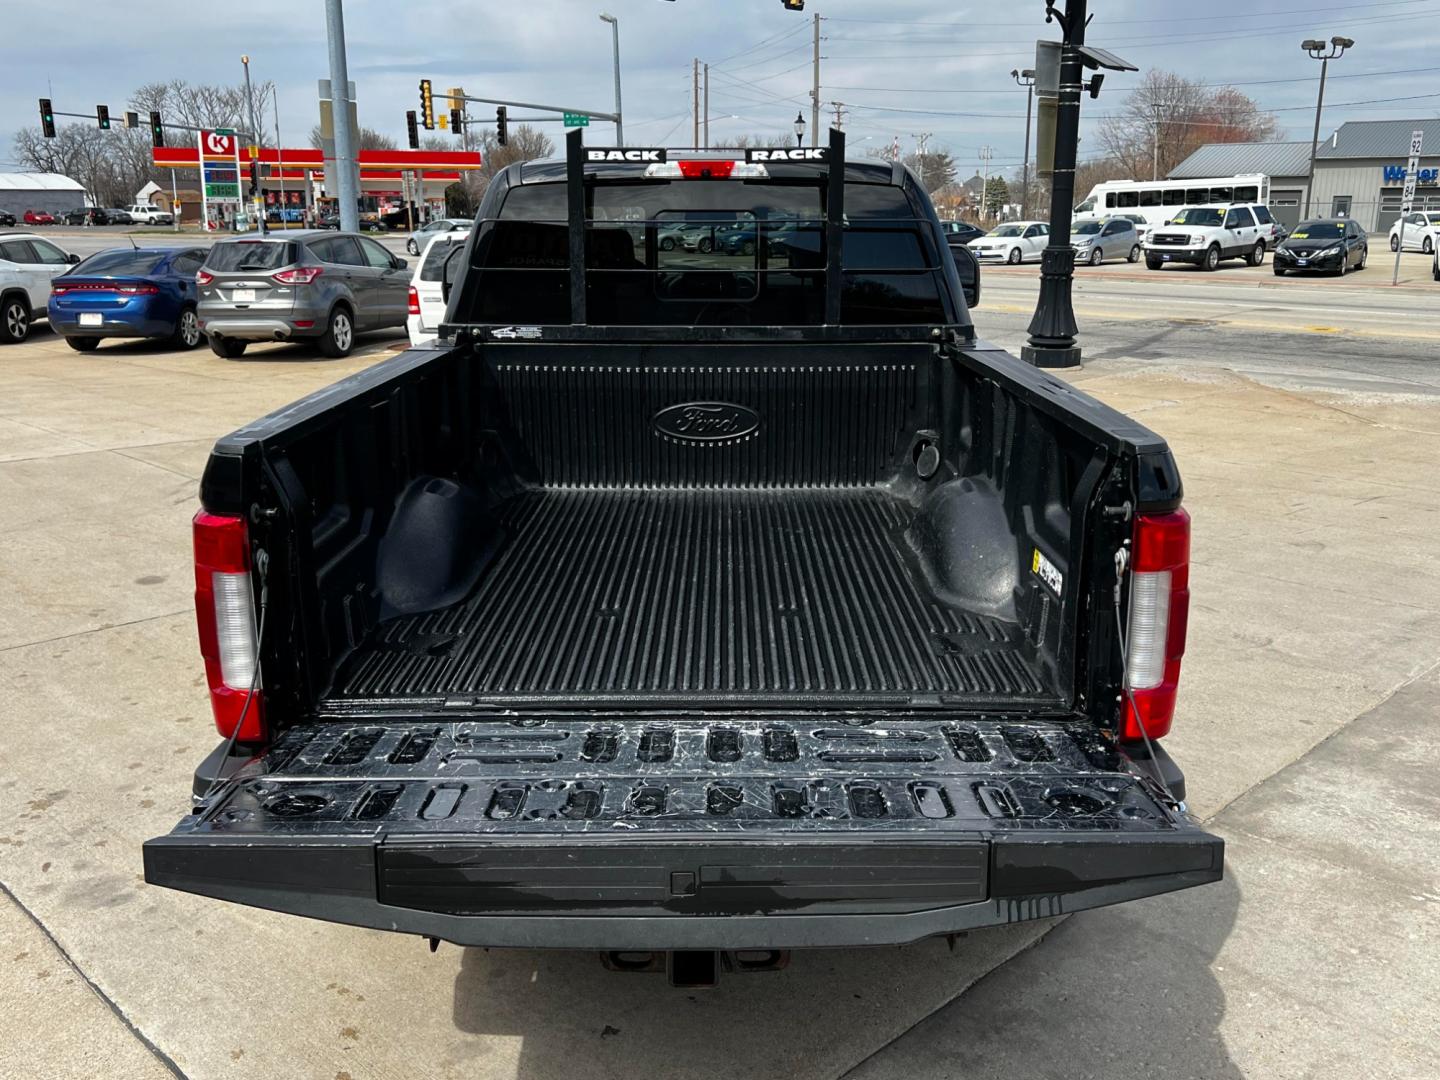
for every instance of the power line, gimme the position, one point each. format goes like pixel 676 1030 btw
pixel 968 25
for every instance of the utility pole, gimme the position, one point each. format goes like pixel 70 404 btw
pixel 922 140
pixel 839 107
pixel 695 79
pixel 615 37
pixel 279 157
pixel 1053 328
pixel 1157 108
pixel 707 106
pixel 986 154
pixel 1026 79
pixel 346 183
pixel 256 202
pixel 815 86
pixel 1324 52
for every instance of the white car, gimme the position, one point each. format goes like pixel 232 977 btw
pixel 1098 239
pixel 1014 242
pixel 1422 228
pixel 1205 235
pixel 421 236
pixel 150 215
pixel 427 298
pixel 28 263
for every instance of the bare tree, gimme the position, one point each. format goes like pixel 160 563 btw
pixel 761 141
pixel 1167 117
pixel 370 139
pixel 204 105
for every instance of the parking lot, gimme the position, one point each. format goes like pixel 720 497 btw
pixel 1305 415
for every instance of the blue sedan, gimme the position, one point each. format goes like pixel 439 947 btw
pixel 130 293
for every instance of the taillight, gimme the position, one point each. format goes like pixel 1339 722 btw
pixel 300 275
pixel 137 290
pixel 203 277
pixel 1159 612
pixel 225 612
pixel 413 305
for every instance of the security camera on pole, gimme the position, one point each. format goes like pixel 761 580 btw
pixel 1058 70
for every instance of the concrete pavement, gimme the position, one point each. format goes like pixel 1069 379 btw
pixel 1316 595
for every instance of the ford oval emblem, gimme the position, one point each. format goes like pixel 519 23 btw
pixel 706 423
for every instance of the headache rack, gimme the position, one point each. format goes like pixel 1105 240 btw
pixel 565 263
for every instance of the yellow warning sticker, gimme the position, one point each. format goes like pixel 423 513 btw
pixel 1047 572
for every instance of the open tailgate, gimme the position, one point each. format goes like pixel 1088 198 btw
pixel 775 832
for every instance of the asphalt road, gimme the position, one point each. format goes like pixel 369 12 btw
pixel 1308 725
pixel 1352 335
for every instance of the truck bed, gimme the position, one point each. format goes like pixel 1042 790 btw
pixel 716 595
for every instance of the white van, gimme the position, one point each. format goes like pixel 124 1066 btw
pixel 1157 201
pixel 150 215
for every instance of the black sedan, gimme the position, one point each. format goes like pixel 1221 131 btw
pixel 7 219
pixel 1333 245
pixel 960 232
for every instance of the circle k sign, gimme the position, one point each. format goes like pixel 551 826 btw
pixel 217 144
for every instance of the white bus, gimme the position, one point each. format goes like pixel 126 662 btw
pixel 1158 200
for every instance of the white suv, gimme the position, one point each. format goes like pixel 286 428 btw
pixel 427 295
pixel 150 215
pixel 28 263
pixel 1204 235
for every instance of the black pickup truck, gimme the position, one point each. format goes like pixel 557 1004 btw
pixel 727 594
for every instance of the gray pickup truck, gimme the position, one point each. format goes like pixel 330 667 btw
pixel 692 601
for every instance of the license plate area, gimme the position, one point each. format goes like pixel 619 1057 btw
pixel 91 318
pixel 243 296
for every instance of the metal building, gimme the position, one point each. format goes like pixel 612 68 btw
pixel 51 192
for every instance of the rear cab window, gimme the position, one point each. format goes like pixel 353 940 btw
pixel 739 253
pixel 243 255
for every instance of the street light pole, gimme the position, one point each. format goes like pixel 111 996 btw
pixel 1026 79
pixel 799 127
pixel 1324 52
pixel 345 182
pixel 1156 108
pixel 615 37
pixel 1053 329
pixel 255 200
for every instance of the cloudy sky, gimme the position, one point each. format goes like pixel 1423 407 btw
pixel 902 67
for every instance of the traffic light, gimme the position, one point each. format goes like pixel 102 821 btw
pixel 427 106
pixel 102 114
pixel 794 5
pixel 47 118
pixel 157 129
pixel 412 128
pixel 457 121
pixel 132 119
pixel 254 178
pixel 501 134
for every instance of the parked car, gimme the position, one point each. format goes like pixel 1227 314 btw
pixel 1329 244
pixel 119 216
pixel 39 217
pixel 330 219
pixel 426 302
pixel 28 264
pixel 961 232
pixel 1422 227
pixel 301 286
pixel 150 215
pixel 128 293
pixel 1141 223
pixel 1206 235
pixel 421 236
pixel 1096 239
pixel 7 219
pixel 641 621
pixel 88 215
pixel 1014 242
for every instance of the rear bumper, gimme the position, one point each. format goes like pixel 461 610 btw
pixel 605 893
pixel 262 328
